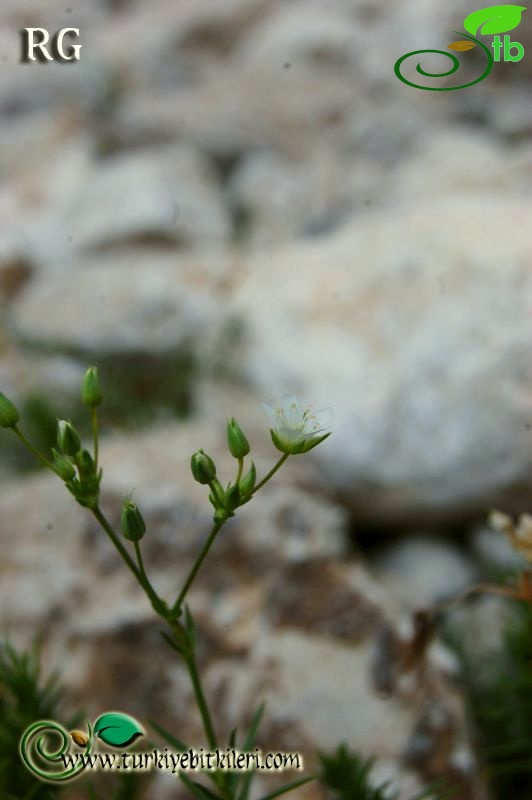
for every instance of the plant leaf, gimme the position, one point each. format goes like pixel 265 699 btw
pixel 247 747
pixel 118 730
pixel 289 787
pixel 461 45
pixel 246 785
pixel 253 728
pixel 199 791
pixel 496 19
pixel 169 737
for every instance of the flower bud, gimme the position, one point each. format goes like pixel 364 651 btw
pixel 133 526
pixel 238 444
pixel 86 465
pixel 247 483
pixel 8 413
pixel 63 466
pixel 91 392
pixel 67 438
pixel 203 468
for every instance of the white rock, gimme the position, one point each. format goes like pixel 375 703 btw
pixel 414 326
pixel 168 196
pixel 494 550
pixel 135 302
pixel 423 569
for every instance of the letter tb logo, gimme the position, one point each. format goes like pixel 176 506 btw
pixel 37 45
pixel 508 48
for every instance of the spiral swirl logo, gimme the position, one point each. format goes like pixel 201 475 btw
pixel 45 744
pixel 485 22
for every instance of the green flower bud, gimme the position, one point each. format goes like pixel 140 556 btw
pixel 63 466
pixel 8 413
pixel 203 467
pixel 133 526
pixel 86 465
pixel 247 483
pixel 67 438
pixel 238 444
pixel 91 392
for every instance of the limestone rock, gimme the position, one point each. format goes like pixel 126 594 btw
pixel 414 326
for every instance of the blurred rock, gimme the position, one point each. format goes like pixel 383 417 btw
pixel 414 326
pixel 302 35
pixel 15 270
pixel 150 197
pixel 460 164
pixel 136 302
pixel 239 109
pixel 27 88
pixel 279 198
pixel 423 570
pixel 36 373
pixel 494 551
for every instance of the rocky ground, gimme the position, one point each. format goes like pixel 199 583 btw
pixel 220 202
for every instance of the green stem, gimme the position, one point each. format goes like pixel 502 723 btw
pixel 240 470
pixel 158 604
pixel 195 569
pixel 271 473
pixel 95 433
pixel 106 525
pixel 189 657
pixel 31 448
pixel 190 660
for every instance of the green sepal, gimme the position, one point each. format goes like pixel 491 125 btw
pixel 247 483
pixel 232 498
pixel 68 439
pixel 63 466
pixel 9 415
pixel 309 445
pixel 296 448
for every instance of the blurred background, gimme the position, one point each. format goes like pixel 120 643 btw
pixel 220 202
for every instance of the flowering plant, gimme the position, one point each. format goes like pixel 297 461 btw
pixel 295 430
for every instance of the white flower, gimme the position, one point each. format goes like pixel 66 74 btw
pixel 296 429
pixel 520 535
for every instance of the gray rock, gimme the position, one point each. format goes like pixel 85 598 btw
pixel 162 197
pixel 423 570
pixel 283 198
pixel 494 550
pixel 414 326
pixel 138 302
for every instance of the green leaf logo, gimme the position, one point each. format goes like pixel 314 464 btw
pixel 496 19
pixel 118 730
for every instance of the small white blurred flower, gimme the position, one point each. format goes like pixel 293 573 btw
pixel 520 535
pixel 296 429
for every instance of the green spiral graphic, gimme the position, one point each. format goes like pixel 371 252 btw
pixel 40 759
pixel 454 68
